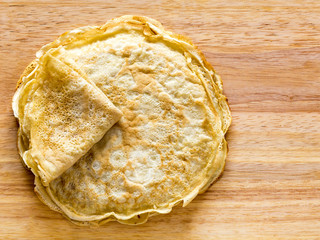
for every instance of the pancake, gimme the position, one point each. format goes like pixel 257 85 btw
pixel 168 146
pixel 61 117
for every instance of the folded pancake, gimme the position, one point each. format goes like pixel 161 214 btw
pixel 62 115
pixel 169 144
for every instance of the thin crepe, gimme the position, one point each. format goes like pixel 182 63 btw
pixel 62 115
pixel 169 145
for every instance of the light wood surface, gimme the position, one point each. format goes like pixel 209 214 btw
pixel 268 54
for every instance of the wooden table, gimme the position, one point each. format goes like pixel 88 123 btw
pixel 268 54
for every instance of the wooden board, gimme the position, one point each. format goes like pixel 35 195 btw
pixel 268 54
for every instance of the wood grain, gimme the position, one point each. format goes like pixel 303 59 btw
pixel 268 54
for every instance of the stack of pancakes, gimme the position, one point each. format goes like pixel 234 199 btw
pixel 121 122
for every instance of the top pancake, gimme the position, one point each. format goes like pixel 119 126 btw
pixel 63 116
